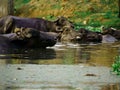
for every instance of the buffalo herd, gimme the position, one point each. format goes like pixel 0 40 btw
pixel 18 32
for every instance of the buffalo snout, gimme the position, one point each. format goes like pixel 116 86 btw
pixel 69 34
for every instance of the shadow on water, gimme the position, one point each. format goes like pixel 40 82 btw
pixel 92 54
pixel 28 55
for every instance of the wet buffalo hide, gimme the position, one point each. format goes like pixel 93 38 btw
pixel 32 39
pixel 111 31
pixel 89 36
pixel 8 23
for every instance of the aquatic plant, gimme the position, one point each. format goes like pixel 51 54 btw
pixel 116 65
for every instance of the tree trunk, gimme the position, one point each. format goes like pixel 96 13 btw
pixel 6 7
pixel 10 7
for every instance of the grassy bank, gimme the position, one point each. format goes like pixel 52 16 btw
pixel 84 13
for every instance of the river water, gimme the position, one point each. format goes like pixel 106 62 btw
pixel 66 54
pixel 62 67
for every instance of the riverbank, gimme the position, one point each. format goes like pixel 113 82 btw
pixel 84 12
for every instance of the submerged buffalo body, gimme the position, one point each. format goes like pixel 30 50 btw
pixel 9 23
pixel 62 26
pixel 108 39
pixel 89 36
pixel 111 31
pixel 6 44
pixel 32 39
pixel 28 32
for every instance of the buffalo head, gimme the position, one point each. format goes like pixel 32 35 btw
pixel 35 38
pixel 69 35
pixel 89 36
pixel 63 22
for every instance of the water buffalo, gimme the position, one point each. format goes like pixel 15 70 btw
pixel 89 36
pixel 111 31
pixel 8 23
pixel 69 35
pixel 63 22
pixel 32 38
pixel 107 38
pixel 6 44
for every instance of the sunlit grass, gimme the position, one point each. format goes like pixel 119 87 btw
pixel 91 14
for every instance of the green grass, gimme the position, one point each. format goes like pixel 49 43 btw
pixel 114 22
pixel 116 65
pixel 20 3
pixel 103 14
pixel 82 14
pixel 89 27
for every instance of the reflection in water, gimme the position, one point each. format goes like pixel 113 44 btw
pixel 104 55
pixel 92 54
pixel 27 56
pixel 30 54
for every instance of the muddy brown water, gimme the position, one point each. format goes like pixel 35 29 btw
pixel 62 67
pixel 68 54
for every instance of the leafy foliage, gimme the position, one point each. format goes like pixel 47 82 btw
pixel 116 65
pixel 91 28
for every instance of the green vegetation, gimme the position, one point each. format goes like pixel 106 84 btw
pixel 90 14
pixel 20 3
pixel 116 65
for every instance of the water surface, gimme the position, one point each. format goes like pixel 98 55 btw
pixel 62 67
pixel 68 54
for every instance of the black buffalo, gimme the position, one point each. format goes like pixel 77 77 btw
pixel 8 23
pixel 107 38
pixel 30 32
pixel 30 38
pixel 6 44
pixel 111 31
pixel 89 36
pixel 69 35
